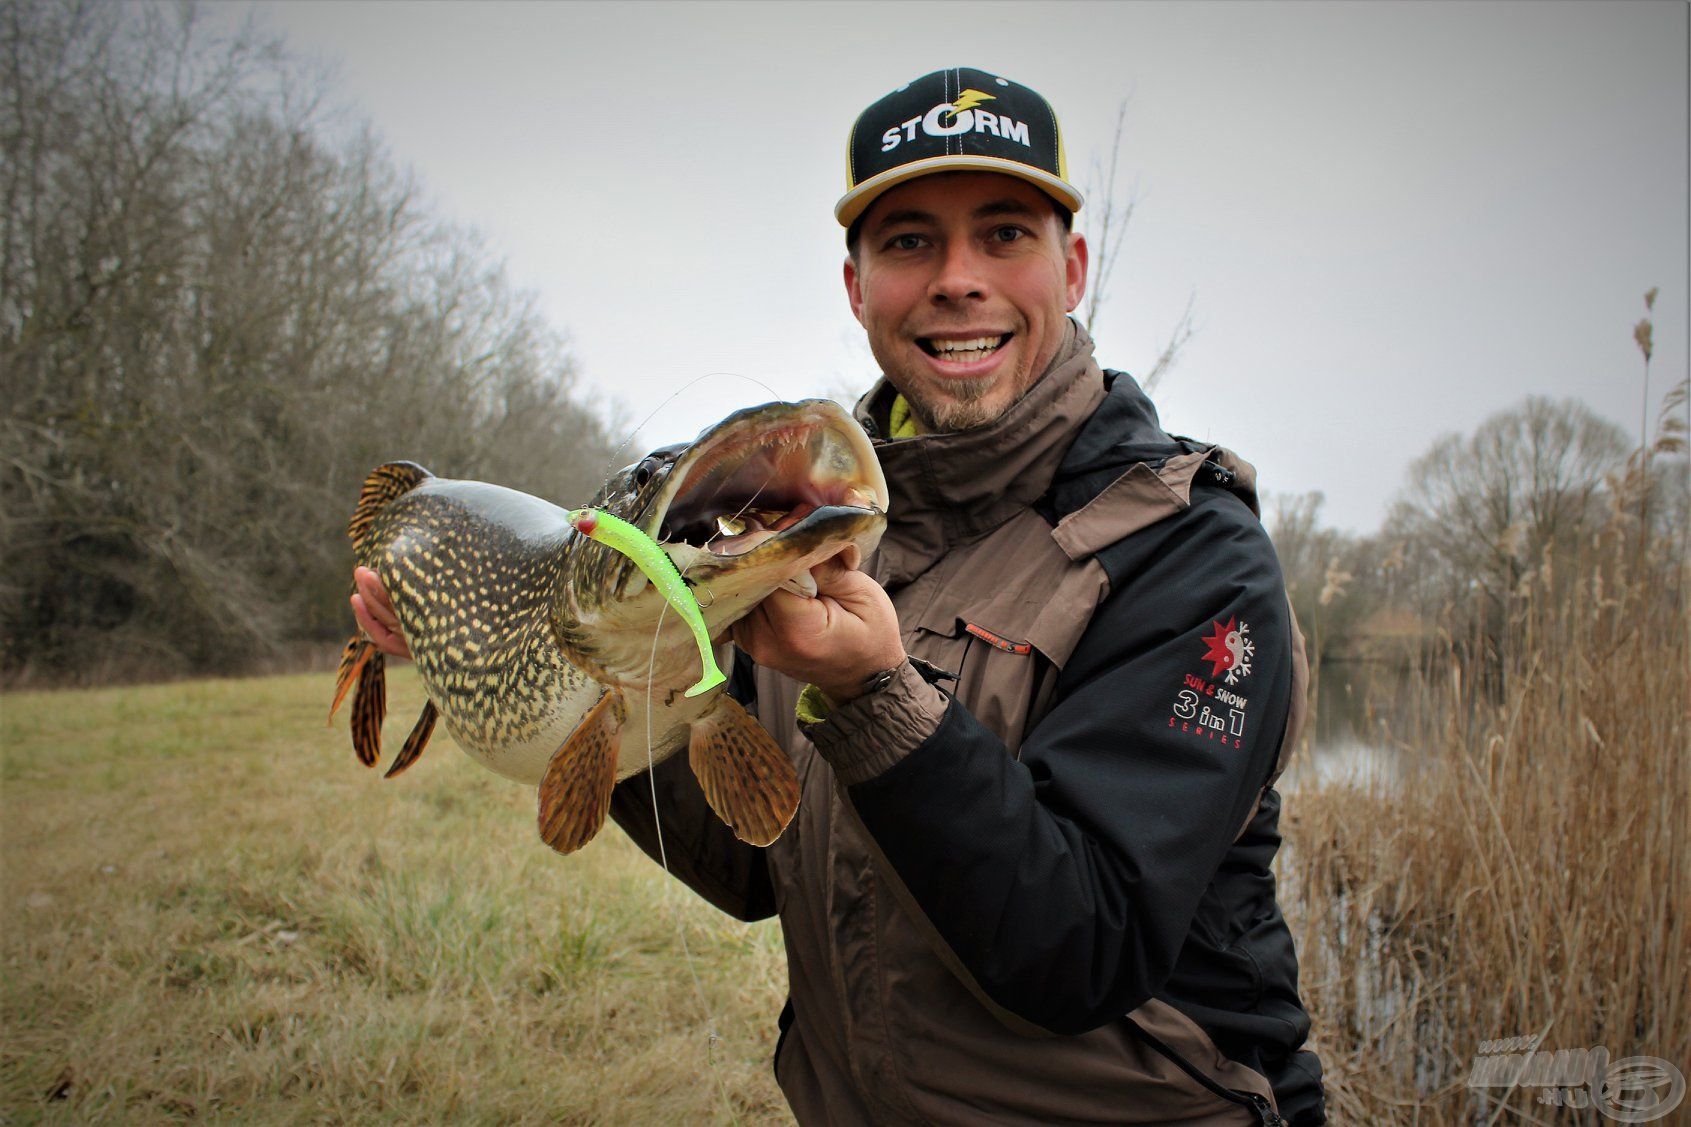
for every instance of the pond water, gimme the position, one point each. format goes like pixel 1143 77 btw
pixel 1350 735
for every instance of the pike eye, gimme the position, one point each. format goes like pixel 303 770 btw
pixel 644 471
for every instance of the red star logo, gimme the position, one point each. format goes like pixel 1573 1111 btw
pixel 1221 658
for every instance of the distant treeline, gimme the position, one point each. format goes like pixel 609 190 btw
pixel 218 311
pixel 1541 500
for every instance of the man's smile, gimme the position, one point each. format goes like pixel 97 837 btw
pixel 962 350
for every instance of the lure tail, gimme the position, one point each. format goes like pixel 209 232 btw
pixel 620 536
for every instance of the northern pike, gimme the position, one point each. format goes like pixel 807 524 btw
pixel 552 658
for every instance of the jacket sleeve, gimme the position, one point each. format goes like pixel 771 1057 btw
pixel 1066 882
pixel 695 845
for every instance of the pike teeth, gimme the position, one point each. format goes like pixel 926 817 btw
pixel 802 584
pixel 860 499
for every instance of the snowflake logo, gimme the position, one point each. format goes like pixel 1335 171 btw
pixel 1230 650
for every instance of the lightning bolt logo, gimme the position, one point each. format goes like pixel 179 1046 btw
pixel 969 99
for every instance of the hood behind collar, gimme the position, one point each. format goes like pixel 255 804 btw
pixel 952 486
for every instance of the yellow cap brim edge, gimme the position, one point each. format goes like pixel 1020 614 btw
pixel 855 202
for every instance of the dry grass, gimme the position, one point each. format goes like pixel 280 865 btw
pixel 210 908
pixel 1528 873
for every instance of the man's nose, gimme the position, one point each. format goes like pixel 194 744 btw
pixel 960 275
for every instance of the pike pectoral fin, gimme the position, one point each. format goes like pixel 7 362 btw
pixel 370 707
pixel 576 792
pixel 416 741
pixel 747 779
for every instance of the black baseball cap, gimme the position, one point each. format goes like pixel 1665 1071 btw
pixel 954 120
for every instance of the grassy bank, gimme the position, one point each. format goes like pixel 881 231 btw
pixel 210 907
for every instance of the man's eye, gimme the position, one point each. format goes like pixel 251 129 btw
pixel 1007 234
pixel 905 242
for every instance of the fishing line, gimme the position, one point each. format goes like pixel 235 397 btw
pixel 651 774
pixel 611 467
pixel 738 513
pixel 663 851
pixel 663 859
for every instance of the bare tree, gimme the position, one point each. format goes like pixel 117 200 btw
pixel 1489 507
pixel 1106 219
pixel 214 323
pixel 1334 579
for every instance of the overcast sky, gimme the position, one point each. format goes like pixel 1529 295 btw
pixel 1391 219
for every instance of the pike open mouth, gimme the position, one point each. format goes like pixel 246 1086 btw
pixel 762 472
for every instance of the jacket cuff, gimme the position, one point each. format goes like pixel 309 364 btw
pixel 864 737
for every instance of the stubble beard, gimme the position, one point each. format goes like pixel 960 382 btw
pixel 953 405
pixel 963 405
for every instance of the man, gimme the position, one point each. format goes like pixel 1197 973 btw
pixel 1029 876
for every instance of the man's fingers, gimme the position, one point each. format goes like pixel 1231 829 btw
pixel 830 571
pixel 375 595
pixel 375 613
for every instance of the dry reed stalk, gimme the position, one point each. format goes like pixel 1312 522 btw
pixel 1527 873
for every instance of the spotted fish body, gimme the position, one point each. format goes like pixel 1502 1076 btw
pixel 552 660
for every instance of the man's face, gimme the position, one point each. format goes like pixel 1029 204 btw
pixel 963 282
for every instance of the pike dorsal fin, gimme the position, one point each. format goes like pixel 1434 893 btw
pixel 576 792
pixel 747 779
pixel 385 482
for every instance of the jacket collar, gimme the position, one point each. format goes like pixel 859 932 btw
pixel 951 487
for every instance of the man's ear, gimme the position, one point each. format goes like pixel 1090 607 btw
pixel 854 288
pixel 1074 270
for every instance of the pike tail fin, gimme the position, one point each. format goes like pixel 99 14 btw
pixel 576 792
pixel 370 707
pixel 747 779
pixel 357 651
pixel 416 741
pixel 361 662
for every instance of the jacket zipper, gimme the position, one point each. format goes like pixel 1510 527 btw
pixel 1263 1108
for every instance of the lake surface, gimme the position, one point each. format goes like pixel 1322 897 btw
pixel 1351 735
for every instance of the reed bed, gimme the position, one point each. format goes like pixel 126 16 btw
pixel 1524 873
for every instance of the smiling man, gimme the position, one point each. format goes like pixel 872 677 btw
pixel 1028 881
pixel 963 281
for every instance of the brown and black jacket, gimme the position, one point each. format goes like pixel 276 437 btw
pixel 1022 893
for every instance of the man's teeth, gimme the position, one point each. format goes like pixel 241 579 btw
pixel 964 351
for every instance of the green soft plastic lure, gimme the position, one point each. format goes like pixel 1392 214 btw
pixel 620 536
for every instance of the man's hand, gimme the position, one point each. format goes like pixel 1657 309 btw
pixel 836 641
pixel 374 611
